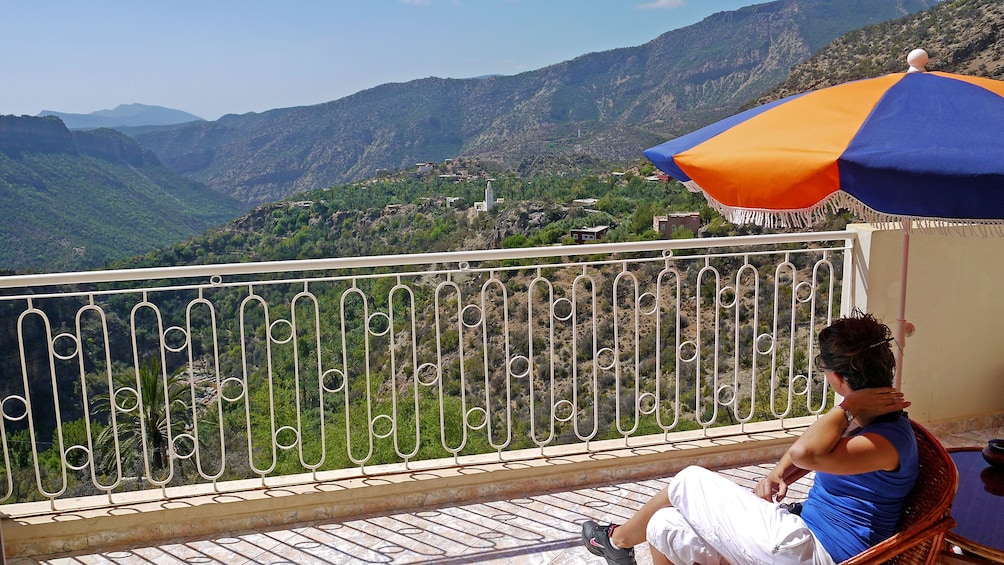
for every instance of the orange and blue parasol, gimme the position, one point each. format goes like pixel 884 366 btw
pixel 918 147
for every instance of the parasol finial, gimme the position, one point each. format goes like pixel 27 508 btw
pixel 917 59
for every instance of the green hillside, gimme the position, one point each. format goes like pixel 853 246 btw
pixel 80 200
pixel 407 213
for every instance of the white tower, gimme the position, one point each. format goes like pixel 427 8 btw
pixel 489 197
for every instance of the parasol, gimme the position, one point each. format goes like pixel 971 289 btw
pixel 918 147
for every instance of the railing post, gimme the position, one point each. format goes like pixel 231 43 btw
pixel 3 549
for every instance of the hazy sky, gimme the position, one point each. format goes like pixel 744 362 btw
pixel 215 57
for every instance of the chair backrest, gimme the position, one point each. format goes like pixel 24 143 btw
pixel 926 512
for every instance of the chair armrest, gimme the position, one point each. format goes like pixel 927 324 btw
pixel 903 541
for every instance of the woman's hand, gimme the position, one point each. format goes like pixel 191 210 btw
pixel 866 404
pixel 772 488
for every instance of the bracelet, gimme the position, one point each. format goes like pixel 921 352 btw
pixel 847 413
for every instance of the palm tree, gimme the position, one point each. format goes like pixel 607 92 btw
pixel 159 413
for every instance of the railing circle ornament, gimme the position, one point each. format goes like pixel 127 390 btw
pixel 183 340
pixel 563 309
pixel 764 344
pixel 232 381
pixel 605 359
pixel 464 265
pixel 378 324
pixel 430 369
pixel 647 403
pixel 6 411
pixel 123 406
pixel 647 304
pixel 688 351
pixel 183 450
pixel 803 292
pixel 273 331
pixel 564 411
pixel 470 316
pixel 333 380
pixel 728 297
pixel 800 381
pixel 726 394
pixel 71 349
pixel 288 430
pixel 216 280
pixel 519 366
pixel 382 421
pixel 81 448
pixel 478 412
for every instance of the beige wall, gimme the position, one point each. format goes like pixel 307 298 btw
pixel 954 362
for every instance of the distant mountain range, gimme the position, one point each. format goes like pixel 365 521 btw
pixel 81 199
pixel 124 115
pixel 609 105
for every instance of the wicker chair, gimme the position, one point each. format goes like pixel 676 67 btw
pixel 926 514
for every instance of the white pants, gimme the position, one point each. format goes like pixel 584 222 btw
pixel 714 521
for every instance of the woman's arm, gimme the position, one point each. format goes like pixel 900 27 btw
pixel 823 446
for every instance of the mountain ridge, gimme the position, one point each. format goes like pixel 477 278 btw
pixel 124 115
pixel 963 37
pixel 609 105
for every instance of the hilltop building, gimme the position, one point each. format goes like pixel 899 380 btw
pixel 664 225
pixel 589 235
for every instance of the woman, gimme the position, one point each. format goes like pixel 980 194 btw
pixel 864 454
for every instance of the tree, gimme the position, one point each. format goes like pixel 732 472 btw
pixel 158 414
pixel 641 219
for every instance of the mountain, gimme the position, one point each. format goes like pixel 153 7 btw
pixel 124 115
pixel 964 37
pixel 608 105
pixel 78 200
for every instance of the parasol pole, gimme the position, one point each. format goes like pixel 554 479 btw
pixel 917 60
pixel 901 324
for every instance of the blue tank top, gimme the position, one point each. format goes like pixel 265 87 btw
pixel 850 513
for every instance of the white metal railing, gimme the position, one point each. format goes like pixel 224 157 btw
pixel 144 378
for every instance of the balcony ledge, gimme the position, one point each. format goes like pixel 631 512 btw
pixel 152 516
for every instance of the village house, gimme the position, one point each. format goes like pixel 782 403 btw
pixel 589 235
pixel 664 225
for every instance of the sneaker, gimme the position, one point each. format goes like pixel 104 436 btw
pixel 596 538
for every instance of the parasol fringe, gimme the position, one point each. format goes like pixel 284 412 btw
pixel 804 218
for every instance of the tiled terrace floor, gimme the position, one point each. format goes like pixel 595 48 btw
pixel 537 529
